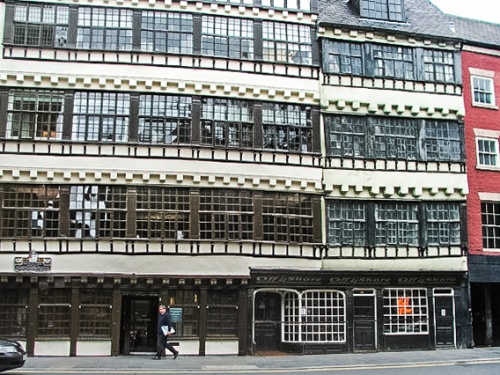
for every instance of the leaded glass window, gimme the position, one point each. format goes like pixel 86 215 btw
pixel 393 62
pixel 167 32
pixel 396 223
pixel 346 223
pixel 287 43
pixel 443 223
pixel 227 37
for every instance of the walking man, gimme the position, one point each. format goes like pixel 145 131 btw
pixel 164 320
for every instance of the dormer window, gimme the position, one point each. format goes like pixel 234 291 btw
pixel 389 10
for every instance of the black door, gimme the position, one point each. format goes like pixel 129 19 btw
pixel 139 316
pixel 445 319
pixel 364 323
pixel 267 321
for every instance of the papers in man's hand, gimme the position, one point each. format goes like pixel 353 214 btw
pixel 166 332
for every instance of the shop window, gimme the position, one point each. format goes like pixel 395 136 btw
pixel 287 127
pixel 222 313
pixel 13 313
pixel 443 223
pixel 162 213
pixel 396 224
pixel 101 116
pixel 97 211
pixel 227 123
pixel 226 214
pixel 167 32
pixel 165 119
pixel 104 28
pixel 287 218
pixel 227 37
pixel 405 311
pixel 184 309
pixel 30 211
pixel 287 43
pixel 35 114
pixel 95 313
pixel 40 25
pixel 314 317
pixel 54 312
pixel 483 92
pixel 347 223
pixel 487 152
pixel 490 222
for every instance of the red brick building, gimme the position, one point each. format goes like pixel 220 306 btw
pixel 481 84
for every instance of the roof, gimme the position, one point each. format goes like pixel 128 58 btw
pixel 422 18
pixel 475 31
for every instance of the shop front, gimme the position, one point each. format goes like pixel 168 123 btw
pixel 328 312
pixel 81 315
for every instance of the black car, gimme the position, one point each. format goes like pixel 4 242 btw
pixel 12 355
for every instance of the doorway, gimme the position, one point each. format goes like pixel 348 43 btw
pixel 444 315
pixel 139 317
pixel 364 320
pixel 267 321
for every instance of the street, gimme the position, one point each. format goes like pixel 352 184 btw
pixel 482 361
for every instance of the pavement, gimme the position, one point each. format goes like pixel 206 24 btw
pixel 215 364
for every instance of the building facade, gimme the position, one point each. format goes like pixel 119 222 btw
pixel 481 70
pixel 283 175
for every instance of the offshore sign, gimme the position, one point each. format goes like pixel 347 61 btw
pixel 324 280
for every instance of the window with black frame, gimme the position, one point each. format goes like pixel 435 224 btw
pixel 41 25
pixel 439 66
pixel 490 225
pixel 346 223
pixel 380 60
pixel 101 116
pixel 226 214
pixel 222 313
pixel 396 223
pixel 95 313
pixel 394 138
pixel 393 62
pixel 163 213
pixel 186 319
pixel 443 223
pixel 287 217
pixel 165 119
pixel 227 37
pixel 13 313
pixel 227 123
pixel 97 211
pixel 391 10
pixel 287 127
pixel 54 312
pixel 167 32
pixel 35 114
pixel 287 43
pixel 104 28
pixel 443 140
pixel 30 211
pixel 343 58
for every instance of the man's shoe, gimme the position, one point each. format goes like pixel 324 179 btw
pixel 156 357
pixel 176 354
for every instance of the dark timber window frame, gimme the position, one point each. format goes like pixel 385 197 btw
pixel 378 137
pixel 417 224
pixel 388 61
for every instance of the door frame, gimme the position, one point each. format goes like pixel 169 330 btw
pixel 366 293
pixel 440 293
